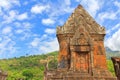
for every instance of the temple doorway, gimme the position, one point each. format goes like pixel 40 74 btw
pixel 81 62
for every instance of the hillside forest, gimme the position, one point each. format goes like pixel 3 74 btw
pixel 30 67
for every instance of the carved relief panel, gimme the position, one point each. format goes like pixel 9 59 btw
pixel 81 62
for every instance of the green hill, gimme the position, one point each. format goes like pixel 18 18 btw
pixel 111 53
pixel 30 68
pixel 25 67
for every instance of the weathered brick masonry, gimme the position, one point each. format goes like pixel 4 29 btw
pixel 116 62
pixel 3 75
pixel 82 53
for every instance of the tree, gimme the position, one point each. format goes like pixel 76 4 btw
pixel 28 74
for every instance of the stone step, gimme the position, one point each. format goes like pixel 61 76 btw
pixel 88 78
pixel 82 78
pixel 78 74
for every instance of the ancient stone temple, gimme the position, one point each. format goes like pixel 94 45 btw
pixel 82 53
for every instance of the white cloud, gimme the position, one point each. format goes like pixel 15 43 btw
pixel 50 31
pixel 1 13
pixel 27 25
pixel 92 5
pixel 43 44
pixel 35 42
pixel 113 42
pixel 17 24
pixel 77 0
pixel 116 3
pixel 6 30
pixel 7 4
pixel 107 15
pixel 56 10
pixel 49 46
pixel 65 7
pixel 43 37
pixel 10 17
pixel 110 14
pixel 14 15
pixel 22 16
pixel 7 46
pixel 68 9
pixel 26 35
pixel 24 25
pixel 19 31
pixel 0 39
pixel 23 29
pixel 26 3
pixel 38 9
pixel 67 2
pixel 48 21
pixel 116 27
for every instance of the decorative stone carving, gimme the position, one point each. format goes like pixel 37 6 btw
pixel 82 52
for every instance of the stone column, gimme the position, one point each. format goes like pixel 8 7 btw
pixel 92 61
pixel 72 64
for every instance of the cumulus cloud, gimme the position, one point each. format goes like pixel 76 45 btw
pixel 107 15
pixel 61 8
pixel 49 46
pixel 35 42
pixel 116 27
pixel 1 13
pixel 7 4
pixel 38 9
pixel 24 30
pixel 48 21
pixel 22 16
pixel 24 25
pixel 19 31
pixel 14 15
pixel 68 9
pixel 7 45
pixel 116 3
pixel 78 0
pixel 110 14
pixel 6 30
pixel 44 46
pixel 50 31
pixel 93 6
pixel 113 42
pixel 52 10
pixel 67 2
pixel 27 25
pixel 10 17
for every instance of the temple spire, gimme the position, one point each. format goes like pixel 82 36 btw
pixel 80 17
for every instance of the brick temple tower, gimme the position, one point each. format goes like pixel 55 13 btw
pixel 82 53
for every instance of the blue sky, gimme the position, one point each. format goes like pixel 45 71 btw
pixel 29 26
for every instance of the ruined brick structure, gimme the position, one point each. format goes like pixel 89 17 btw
pixel 3 75
pixel 82 53
pixel 116 62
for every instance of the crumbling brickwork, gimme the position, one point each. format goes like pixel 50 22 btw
pixel 116 62
pixel 3 75
pixel 82 53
